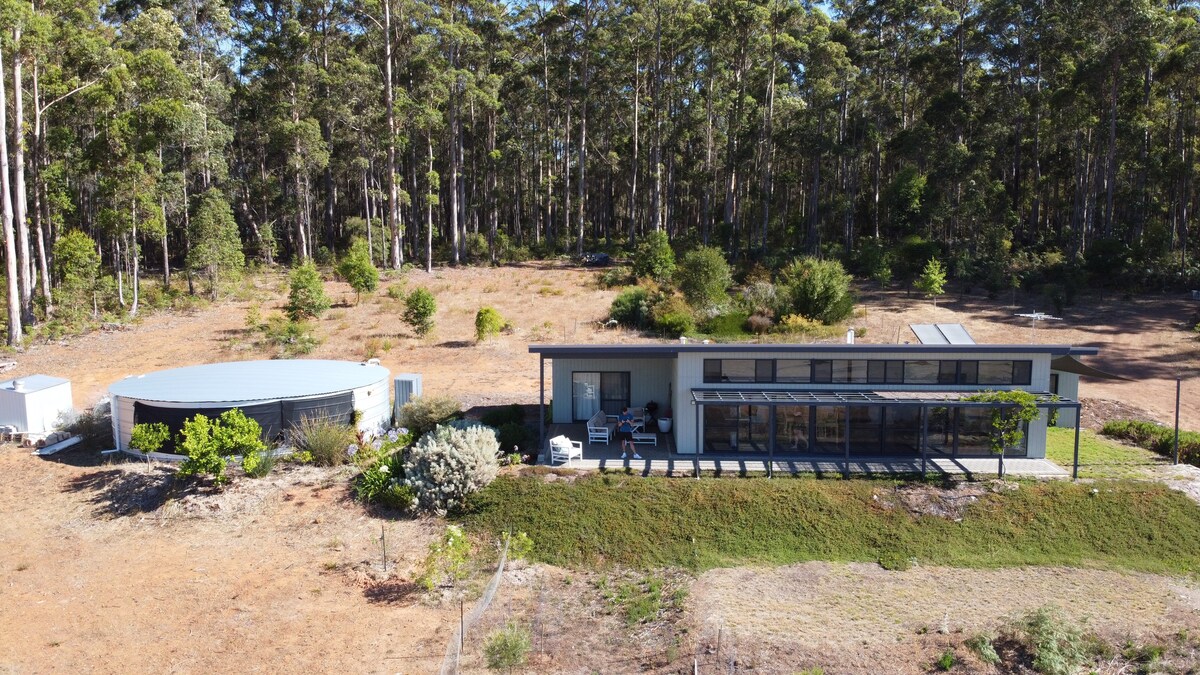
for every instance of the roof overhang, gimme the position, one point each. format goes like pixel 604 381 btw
pixel 670 351
pixel 1070 364
pixel 939 399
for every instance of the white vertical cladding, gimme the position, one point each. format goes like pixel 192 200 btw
pixel 372 401
pixel 689 373
pixel 649 380
pixel 45 407
pixel 14 409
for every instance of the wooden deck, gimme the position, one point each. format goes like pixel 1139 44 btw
pixel 663 460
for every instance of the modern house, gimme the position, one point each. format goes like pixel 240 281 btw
pixel 840 400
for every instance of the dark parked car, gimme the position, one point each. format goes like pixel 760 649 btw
pixel 596 259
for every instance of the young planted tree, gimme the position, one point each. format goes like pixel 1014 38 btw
pixel 932 281
pixel 307 299
pixel 419 308
pixel 358 270
pixel 703 276
pixel 1012 411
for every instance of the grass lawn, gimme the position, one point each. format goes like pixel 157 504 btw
pixel 700 524
pixel 1099 457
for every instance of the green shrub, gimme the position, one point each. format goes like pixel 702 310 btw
pixel 946 661
pixel 654 257
pixel 447 560
pixel 1055 643
pixel 616 276
pixel 520 546
pixel 149 437
pixel 932 281
pixel 326 442
pixel 1156 438
pixel 419 309
pixel 984 649
pixel 515 435
pixel 423 413
pixel 307 298
pixel 488 323
pixel 508 647
pixel 501 416
pixel 77 269
pixel 293 338
pixel 475 247
pixel 631 307
pixel 672 317
pixel 383 483
pixel 895 561
pixel 730 324
pixel 703 276
pixel 358 270
pixel 235 434
pixel 202 457
pixel 448 464
pixel 817 289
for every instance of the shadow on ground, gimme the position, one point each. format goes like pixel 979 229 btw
pixel 117 493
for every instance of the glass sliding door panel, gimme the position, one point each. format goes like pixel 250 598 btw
pixel 791 428
pixel 720 428
pixel 865 428
pixel 585 395
pixel 754 430
pixel 830 427
pixel 614 392
pixel 903 433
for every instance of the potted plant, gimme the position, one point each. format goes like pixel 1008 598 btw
pixel 664 421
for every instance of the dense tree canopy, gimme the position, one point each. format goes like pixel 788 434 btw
pixel 1011 138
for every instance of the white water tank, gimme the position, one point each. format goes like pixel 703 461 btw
pixel 34 403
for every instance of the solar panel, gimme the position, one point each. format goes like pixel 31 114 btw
pixel 929 334
pixel 956 334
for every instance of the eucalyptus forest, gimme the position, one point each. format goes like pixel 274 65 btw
pixel 152 141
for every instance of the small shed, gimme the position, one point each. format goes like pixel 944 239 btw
pixel 34 404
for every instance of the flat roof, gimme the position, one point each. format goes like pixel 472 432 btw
pixel 249 381
pixel 33 383
pixel 952 399
pixel 672 350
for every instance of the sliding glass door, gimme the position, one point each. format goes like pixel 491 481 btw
pixel 592 392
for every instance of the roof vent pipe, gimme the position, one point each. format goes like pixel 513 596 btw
pixel 850 336
pixel 18 385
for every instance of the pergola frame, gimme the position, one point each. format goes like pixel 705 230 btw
pixel 922 400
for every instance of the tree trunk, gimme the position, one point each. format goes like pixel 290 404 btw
pixel 24 259
pixel 6 210
pixel 390 105
pixel 429 212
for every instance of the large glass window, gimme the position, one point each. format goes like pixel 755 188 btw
pixel 849 371
pixel 738 370
pixel 822 371
pixel 948 372
pixel 793 370
pixel 921 372
pixel 995 372
pixel 968 372
pixel 1022 372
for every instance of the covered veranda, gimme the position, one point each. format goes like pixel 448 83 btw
pixel 928 440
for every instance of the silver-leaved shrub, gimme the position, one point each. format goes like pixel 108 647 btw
pixel 448 464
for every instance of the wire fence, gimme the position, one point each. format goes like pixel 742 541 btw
pixel 454 648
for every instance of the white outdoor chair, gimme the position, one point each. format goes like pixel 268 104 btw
pixel 564 449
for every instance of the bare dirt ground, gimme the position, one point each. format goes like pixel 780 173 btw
pixel 104 569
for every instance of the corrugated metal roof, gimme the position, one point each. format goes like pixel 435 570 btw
pixel 34 382
pixel 942 334
pixel 249 381
pixel 610 351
